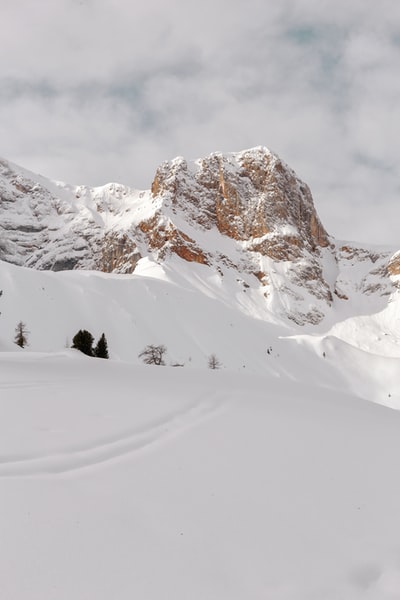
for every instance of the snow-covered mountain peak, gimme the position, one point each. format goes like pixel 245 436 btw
pixel 246 212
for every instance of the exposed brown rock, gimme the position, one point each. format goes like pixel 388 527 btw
pixel 358 253
pixel 246 196
pixel 340 294
pixel 156 186
pixel 165 237
pixel 255 199
pixel 261 276
pixel 394 265
pixel 119 254
pixel 279 248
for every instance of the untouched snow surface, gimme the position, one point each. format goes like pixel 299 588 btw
pixel 272 478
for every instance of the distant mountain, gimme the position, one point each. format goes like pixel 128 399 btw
pixel 246 214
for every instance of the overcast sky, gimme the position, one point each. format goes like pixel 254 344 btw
pixel 94 91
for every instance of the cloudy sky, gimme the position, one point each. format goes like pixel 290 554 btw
pixel 94 91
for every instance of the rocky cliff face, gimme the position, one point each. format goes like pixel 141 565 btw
pixel 48 225
pixel 246 212
pixel 250 196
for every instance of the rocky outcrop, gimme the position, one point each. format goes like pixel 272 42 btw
pixel 257 201
pixel 394 265
pixel 57 227
pixel 162 236
pixel 248 196
pixel 247 212
pixel 369 269
pixel 118 254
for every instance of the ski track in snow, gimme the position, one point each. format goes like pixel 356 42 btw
pixel 114 447
pixel 37 385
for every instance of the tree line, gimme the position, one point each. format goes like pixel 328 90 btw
pixel 83 341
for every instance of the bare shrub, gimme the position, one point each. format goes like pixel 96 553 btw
pixel 153 355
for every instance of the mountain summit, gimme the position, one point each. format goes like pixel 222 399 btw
pixel 246 214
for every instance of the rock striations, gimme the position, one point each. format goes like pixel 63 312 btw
pixel 246 213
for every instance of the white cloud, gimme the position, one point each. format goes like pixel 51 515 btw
pixel 105 90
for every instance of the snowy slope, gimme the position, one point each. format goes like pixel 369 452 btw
pixel 195 313
pixel 129 481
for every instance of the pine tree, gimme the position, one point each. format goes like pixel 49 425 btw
pixel 83 341
pixel 21 334
pixel 101 349
pixel 214 362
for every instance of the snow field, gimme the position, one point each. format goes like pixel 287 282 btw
pixel 157 482
pixel 195 313
pixel 273 477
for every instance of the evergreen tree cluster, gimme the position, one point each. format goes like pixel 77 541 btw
pixel 83 341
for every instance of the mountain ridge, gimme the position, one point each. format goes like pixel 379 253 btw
pixel 245 212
